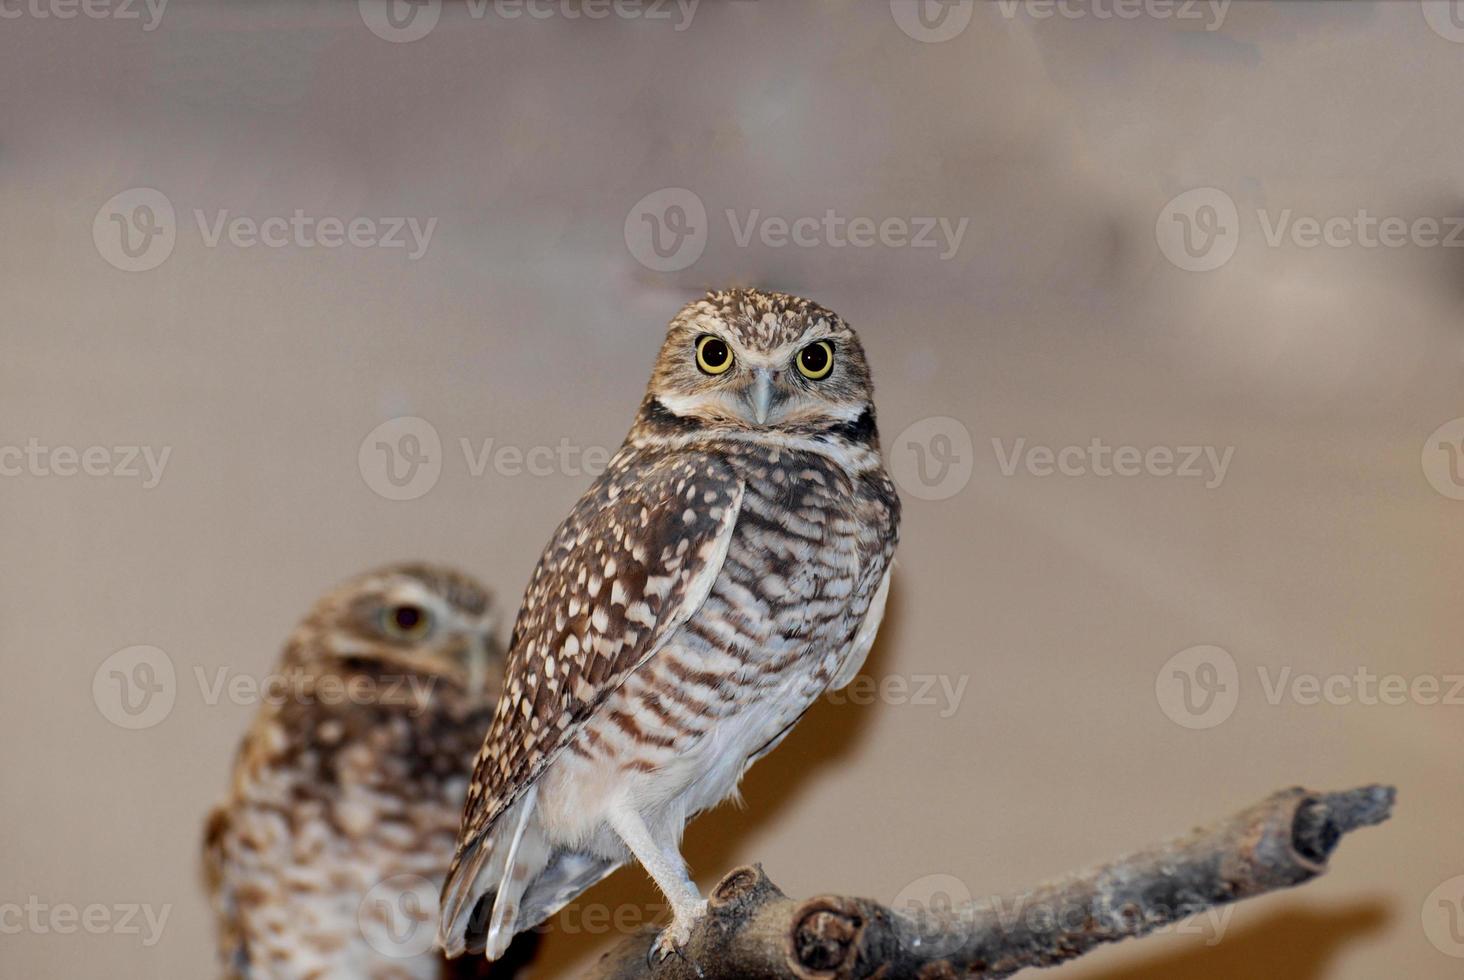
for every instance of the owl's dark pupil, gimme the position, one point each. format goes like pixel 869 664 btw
pixel 406 618
pixel 815 358
pixel 714 352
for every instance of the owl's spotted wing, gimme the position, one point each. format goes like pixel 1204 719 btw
pixel 633 561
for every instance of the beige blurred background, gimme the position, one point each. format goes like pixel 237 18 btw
pixel 1073 308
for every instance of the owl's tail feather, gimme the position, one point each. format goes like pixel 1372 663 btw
pixel 510 880
pixel 491 878
pixel 567 874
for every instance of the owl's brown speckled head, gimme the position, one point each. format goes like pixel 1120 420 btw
pixel 411 617
pixel 749 359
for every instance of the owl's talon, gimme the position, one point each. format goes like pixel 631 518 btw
pixel 673 938
pixel 664 946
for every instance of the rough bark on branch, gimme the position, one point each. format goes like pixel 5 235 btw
pixel 755 932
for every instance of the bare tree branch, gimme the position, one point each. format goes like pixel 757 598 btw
pixel 755 932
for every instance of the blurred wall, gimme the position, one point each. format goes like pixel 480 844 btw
pixel 1145 231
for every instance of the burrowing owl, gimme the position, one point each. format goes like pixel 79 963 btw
pixel 729 566
pixel 348 787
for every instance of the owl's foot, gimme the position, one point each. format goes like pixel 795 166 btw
pixel 673 938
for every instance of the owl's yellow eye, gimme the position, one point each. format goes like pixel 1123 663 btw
pixel 713 356
pixel 406 621
pixel 816 360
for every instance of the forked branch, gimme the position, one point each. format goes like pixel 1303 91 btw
pixel 755 932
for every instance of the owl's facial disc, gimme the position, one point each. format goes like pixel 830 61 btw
pixel 720 376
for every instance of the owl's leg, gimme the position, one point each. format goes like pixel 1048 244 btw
pixel 662 861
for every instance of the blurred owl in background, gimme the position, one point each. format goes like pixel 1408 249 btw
pixel 325 857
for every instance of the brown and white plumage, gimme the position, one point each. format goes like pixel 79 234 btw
pixel 729 566
pixel 352 778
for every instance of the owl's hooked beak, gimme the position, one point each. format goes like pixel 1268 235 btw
pixel 760 394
